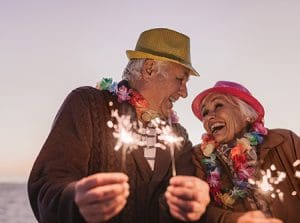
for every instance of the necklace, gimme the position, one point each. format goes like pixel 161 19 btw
pixel 241 160
pixel 133 97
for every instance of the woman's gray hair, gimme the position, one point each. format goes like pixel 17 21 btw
pixel 247 110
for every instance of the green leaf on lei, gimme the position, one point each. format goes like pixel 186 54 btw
pixel 104 84
pixel 252 139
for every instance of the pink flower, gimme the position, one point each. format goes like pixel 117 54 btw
pixel 214 179
pixel 123 94
pixel 246 172
pixel 260 128
pixel 174 117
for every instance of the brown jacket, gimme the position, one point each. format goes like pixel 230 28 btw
pixel 81 144
pixel 281 148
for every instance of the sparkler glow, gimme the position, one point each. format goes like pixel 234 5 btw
pixel 129 136
pixel 168 136
pixel 126 133
pixel 297 172
pixel 269 180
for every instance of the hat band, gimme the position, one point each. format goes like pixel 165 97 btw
pixel 163 54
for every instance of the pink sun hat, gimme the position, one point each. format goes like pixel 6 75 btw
pixel 231 88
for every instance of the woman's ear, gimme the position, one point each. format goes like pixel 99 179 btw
pixel 147 69
pixel 249 120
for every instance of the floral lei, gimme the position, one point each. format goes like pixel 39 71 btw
pixel 125 93
pixel 241 159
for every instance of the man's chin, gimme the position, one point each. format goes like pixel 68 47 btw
pixel 166 113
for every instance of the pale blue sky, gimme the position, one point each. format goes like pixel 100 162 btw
pixel 47 48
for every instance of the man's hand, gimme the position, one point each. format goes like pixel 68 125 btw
pixel 187 197
pixel 101 196
pixel 256 217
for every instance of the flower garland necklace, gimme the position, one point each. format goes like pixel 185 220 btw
pixel 241 159
pixel 125 93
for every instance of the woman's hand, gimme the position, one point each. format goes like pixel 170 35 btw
pixel 101 196
pixel 187 197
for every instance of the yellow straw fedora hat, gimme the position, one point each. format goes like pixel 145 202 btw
pixel 165 45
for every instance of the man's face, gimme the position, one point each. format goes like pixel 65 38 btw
pixel 222 118
pixel 168 84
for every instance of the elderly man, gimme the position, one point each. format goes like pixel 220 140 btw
pixel 77 176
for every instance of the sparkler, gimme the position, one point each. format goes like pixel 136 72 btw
pixel 129 136
pixel 167 135
pixel 126 133
pixel 297 172
pixel 270 178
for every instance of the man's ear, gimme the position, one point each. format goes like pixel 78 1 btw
pixel 147 70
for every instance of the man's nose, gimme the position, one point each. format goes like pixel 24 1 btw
pixel 183 92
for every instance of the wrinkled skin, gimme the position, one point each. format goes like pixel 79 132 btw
pixel 223 119
pixel 101 196
pixel 218 110
pixel 187 197
pixel 164 84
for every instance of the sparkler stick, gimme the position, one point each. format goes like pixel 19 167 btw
pixel 169 137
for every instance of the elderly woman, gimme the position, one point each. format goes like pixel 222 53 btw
pixel 251 170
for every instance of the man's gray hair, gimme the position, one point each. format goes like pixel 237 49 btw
pixel 133 70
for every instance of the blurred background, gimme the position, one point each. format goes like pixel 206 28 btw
pixel 48 48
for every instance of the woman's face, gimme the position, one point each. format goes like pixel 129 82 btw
pixel 222 117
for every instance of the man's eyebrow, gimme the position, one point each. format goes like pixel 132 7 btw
pixel 187 75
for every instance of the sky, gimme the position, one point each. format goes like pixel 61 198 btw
pixel 48 48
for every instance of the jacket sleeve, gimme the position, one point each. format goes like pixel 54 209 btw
pixel 289 155
pixel 62 161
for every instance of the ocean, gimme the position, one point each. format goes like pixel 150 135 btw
pixel 14 204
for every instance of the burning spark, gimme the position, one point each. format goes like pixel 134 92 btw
pixel 280 195
pixel 294 193
pixel 169 138
pixel 296 163
pixel 297 172
pixel 129 136
pixel 126 134
pixel 273 167
pixel 269 181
